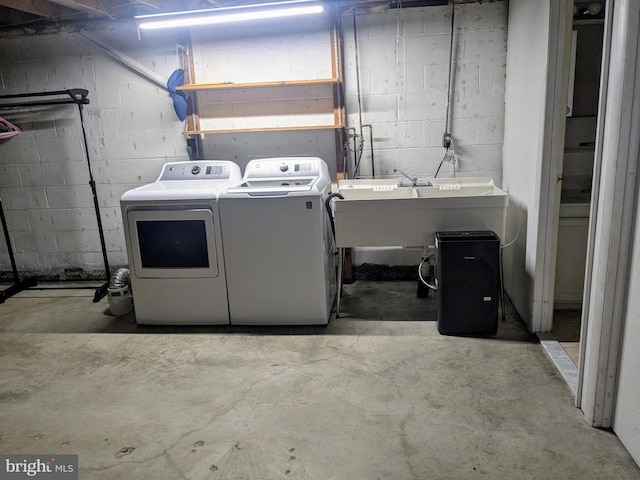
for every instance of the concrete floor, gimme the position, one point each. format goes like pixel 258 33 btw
pixel 377 394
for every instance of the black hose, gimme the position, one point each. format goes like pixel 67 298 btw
pixel 502 292
pixel 344 160
pixel 356 170
pixel 441 162
pixel 327 204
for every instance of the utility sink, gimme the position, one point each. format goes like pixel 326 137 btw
pixel 374 190
pixel 376 213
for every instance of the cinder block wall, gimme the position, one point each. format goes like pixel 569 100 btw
pixel 273 51
pixel 404 66
pixel 403 60
pixel 132 128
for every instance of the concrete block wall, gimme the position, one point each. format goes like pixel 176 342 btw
pixel 275 51
pixel 131 128
pixel 278 50
pixel 403 64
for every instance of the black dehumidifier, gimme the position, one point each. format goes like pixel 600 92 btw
pixel 468 282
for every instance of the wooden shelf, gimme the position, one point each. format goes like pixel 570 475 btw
pixel 264 129
pixel 277 83
pixel 262 108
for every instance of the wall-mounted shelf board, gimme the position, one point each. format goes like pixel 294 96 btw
pixel 262 129
pixel 306 96
pixel 275 83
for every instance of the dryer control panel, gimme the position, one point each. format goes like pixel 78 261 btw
pixel 283 167
pixel 200 170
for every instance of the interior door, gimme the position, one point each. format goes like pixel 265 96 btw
pixel 538 46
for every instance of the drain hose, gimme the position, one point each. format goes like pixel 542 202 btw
pixel 327 204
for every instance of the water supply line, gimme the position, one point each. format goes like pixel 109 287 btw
pixel 355 43
pixel 421 277
pixel 346 148
pixel 446 137
pixel 358 155
pixel 359 94
pixel 373 165
pixel 345 154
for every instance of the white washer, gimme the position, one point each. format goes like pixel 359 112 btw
pixel 174 245
pixel 279 251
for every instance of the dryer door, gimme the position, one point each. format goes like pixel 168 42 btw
pixel 173 243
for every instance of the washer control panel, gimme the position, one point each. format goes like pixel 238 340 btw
pixel 283 167
pixel 199 170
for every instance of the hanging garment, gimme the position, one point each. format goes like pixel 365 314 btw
pixel 179 98
pixel 8 129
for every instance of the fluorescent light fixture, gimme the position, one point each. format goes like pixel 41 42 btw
pixel 242 13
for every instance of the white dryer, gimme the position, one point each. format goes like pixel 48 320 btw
pixel 279 251
pixel 174 245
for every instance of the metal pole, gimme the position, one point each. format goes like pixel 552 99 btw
pixel 102 291
pixel 12 258
pixel 18 285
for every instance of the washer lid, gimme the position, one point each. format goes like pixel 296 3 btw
pixel 282 176
pixel 177 190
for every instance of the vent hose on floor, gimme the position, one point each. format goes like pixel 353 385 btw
pixel 120 278
pixel 119 291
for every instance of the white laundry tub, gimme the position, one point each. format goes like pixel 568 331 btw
pixel 377 213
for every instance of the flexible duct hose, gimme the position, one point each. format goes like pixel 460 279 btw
pixel 120 298
pixel 120 278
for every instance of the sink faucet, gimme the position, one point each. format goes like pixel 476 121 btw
pixel 414 181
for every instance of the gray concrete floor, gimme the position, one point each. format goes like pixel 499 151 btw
pixel 377 394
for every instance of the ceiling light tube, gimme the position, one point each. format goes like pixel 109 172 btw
pixel 228 15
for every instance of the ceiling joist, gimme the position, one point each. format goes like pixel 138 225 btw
pixel 42 8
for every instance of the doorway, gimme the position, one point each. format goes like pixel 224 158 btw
pixel 577 173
